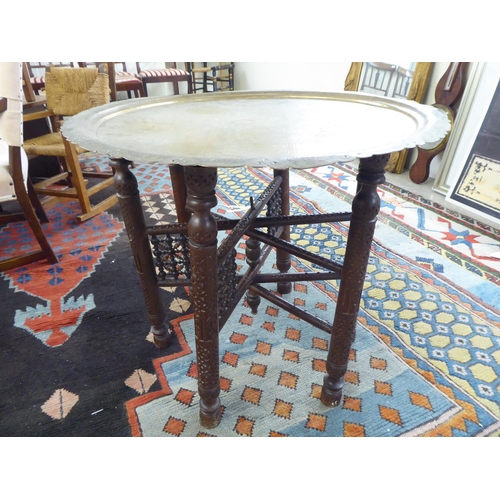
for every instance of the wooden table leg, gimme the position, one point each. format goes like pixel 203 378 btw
pixel 365 208
pixel 202 233
pixel 133 217
pixel 179 190
pixel 283 261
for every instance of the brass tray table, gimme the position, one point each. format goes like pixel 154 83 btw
pixel 197 134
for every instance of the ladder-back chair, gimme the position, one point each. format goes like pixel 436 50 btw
pixel 212 78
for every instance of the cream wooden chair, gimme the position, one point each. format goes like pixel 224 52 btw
pixel 14 182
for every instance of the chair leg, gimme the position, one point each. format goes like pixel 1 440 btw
pixel 99 207
pixel 84 193
pixel 180 192
pixel 34 223
pixel 35 202
pixel 45 251
pixel 73 165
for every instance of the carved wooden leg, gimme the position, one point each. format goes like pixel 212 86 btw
pixel 365 208
pixel 179 189
pixel 252 253
pixel 202 232
pixel 283 261
pixel 133 217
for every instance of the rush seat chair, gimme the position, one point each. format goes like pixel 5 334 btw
pixel 36 71
pixel 124 80
pixel 70 91
pixel 212 78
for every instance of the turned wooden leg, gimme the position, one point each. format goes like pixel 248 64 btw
pixel 252 255
pixel 202 232
pixel 283 261
pixel 365 208
pixel 180 193
pixel 133 217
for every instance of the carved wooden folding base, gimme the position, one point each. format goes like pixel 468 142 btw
pixel 184 255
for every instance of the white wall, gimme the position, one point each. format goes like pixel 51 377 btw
pixel 324 77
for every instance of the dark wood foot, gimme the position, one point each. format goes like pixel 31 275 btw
pixel 202 233
pixel 365 208
pixel 331 393
pixel 133 217
pixel 210 413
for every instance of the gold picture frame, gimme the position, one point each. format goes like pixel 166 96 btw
pixel 416 92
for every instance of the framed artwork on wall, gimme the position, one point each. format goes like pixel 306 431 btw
pixel 475 165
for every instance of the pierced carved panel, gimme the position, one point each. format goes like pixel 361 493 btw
pixel 171 256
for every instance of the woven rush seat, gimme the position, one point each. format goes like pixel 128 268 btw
pixel 48 145
pixel 120 79
pixel 213 78
pixel 36 71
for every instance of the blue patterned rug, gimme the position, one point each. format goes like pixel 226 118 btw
pixel 425 362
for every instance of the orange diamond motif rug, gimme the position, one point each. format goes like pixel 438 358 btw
pixel 416 368
pixel 77 359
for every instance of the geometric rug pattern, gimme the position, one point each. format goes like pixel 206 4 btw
pixel 472 244
pixel 57 313
pixel 426 360
pixel 77 357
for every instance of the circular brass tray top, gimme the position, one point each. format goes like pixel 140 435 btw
pixel 278 129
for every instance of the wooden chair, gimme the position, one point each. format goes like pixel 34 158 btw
pixel 404 77
pixel 124 80
pixel 377 78
pixel 170 74
pixel 70 91
pixel 14 182
pixel 36 71
pixel 212 78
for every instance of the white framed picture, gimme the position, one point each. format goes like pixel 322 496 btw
pixel 473 160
